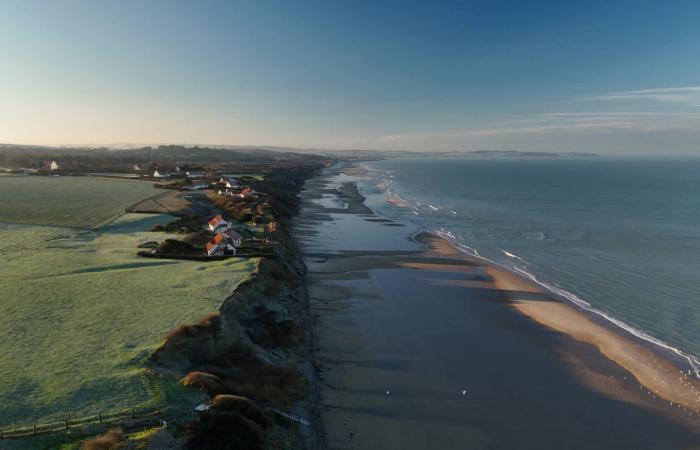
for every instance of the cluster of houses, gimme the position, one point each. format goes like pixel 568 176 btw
pixel 227 185
pixel 178 173
pixel 226 239
pixel 231 187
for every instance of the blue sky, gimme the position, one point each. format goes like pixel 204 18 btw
pixel 611 77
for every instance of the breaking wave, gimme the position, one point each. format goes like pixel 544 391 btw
pixel 425 219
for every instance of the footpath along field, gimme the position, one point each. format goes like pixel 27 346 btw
pixel 79 311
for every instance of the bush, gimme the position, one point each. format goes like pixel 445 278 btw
pixel 205 381
pixel 209 323
pixel 175 247
pixel 104 442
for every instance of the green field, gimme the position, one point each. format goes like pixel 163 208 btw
pixel 68 201
pixel 80 313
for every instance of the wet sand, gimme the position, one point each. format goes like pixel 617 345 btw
pixel 420 347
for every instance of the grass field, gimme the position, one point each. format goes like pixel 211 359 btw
pixel 80 312
pixel 68 201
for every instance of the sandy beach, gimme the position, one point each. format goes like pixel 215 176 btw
pixel 420 346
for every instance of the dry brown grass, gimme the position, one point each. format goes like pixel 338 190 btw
pixel 239 372
pixel 209 323
pixel 106 441
pixel 205 381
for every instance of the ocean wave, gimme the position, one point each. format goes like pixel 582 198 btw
pixel 517 264
pixel 511 255
pixel 692 360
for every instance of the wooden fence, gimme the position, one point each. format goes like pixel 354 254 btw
pixel 58 426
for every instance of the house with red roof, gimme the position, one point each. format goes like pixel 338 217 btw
pixel 219 245
pixel 218 224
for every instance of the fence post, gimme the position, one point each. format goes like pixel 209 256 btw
pixel 66 424
pixel 99 416
pixel 133 413
pixel 35 430
pixel 2 435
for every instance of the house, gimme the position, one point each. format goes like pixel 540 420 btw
pixel 219 245
pixel 194 174
pixel 217 224
pixel 157 174
pixel 229 182
pixel 233 237
pixel 247 193
pixel 53 166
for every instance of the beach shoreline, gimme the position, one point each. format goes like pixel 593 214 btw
pixel 658 376
pixel 357 278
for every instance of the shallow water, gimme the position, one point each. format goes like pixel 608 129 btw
pixel 408 360
pixel 620 236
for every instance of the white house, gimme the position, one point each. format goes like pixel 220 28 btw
pixel 157 174
pixel 53 165
pixel 137 167
pixel 229 182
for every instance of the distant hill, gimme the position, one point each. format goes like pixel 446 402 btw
pixel 166 157
pixel 81 159
pixel 389 154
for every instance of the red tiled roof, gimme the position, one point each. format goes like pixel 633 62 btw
pixel 216 220
pixel 218 239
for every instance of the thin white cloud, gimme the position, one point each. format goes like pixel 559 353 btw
pixel 685 94
pixel 568 122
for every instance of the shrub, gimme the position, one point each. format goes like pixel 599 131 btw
pixel 209 323
pixel 206 381
pixel 104 442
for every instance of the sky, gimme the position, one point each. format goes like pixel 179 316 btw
pixel 611 77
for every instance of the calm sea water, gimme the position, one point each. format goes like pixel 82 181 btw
pixel 620 237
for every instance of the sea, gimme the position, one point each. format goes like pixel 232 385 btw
pixel 618 237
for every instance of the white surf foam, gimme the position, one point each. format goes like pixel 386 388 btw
pixel 511 255
pixel 692 360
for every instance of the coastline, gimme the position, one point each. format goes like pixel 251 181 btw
pixel 657 375
pixel 652 362
pixel 587 364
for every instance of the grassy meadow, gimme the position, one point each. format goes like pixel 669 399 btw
pixel 80 312
pixel 68 201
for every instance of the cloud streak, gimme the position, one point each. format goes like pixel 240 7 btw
pixel 686 94
pixel 567 122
